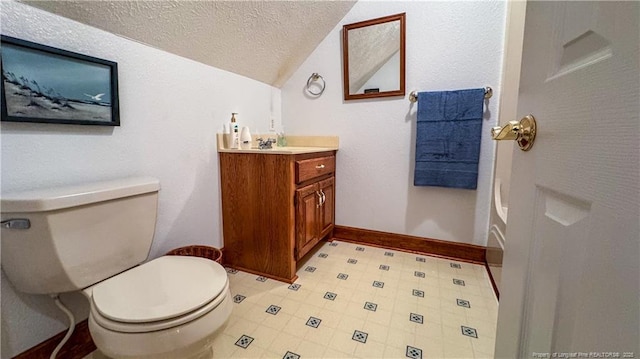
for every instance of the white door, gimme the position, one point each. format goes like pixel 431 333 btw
pixel 571 273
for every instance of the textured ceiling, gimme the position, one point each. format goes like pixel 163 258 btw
pixel 263 40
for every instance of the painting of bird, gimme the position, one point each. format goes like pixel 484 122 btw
pixel 96 98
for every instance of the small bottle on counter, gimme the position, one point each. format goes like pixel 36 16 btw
pixel 226 136
pixel 245 138
pixel 281 138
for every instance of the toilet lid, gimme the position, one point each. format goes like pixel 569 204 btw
pixel 161 289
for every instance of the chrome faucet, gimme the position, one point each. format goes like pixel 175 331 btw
pixel 265 145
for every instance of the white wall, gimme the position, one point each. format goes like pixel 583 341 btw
pixel 170 110
pixel 450 45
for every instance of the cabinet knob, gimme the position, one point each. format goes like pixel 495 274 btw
pixel 319 167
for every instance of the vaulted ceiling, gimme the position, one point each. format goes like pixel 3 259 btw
pixel 263 40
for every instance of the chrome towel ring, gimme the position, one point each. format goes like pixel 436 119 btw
pixel 319 81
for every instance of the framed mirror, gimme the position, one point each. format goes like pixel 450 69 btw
pixel 374 58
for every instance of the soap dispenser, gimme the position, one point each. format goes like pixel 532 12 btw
pixel 235 133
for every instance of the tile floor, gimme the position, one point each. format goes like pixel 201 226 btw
pixel 355 301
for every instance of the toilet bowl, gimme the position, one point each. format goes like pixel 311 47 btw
pixel 93 238
pixel 169 307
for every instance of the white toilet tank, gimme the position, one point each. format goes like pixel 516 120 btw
pixel 78 235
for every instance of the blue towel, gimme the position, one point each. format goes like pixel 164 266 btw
pixel 448 138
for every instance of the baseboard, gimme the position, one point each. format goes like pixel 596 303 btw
pixel 281 279
pixel 493 281
pixel 79 345
pixel 433 247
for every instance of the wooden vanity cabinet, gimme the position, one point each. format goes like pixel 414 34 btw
pixel 275 209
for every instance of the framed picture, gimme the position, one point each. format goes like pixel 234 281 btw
pixel 45 84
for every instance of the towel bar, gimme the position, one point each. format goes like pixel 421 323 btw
pixel 488 92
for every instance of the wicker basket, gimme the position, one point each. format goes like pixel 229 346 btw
pixel 198 251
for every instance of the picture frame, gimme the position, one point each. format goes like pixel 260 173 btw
pixel 50 85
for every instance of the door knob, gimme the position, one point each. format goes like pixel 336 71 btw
pixel 523 132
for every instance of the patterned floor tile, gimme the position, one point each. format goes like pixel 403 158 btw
pixel 470 332
pixel 360 336
pixel 244 341
pixel 413 353
pixel 370 306
pixel 458 282
pixel 416 318
pixel 330 296
pixel 314 322
pixel 273 309
pixel 290 355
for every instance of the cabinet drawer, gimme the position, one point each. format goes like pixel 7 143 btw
pixel 314 167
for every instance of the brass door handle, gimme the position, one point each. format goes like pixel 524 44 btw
pixel 523 132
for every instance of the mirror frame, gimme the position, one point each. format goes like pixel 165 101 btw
pixel 345 56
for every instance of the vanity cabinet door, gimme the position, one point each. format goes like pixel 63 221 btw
pixel 327 206
pixel 307 224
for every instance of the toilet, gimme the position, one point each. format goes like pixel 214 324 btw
pixel 93 238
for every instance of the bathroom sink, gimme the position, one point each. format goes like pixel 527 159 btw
pixel 282 150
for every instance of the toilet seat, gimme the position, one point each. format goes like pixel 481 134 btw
pixel 163 293
pixel 158 325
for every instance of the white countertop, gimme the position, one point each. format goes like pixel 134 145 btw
pixel 280 150
pixel 298 145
